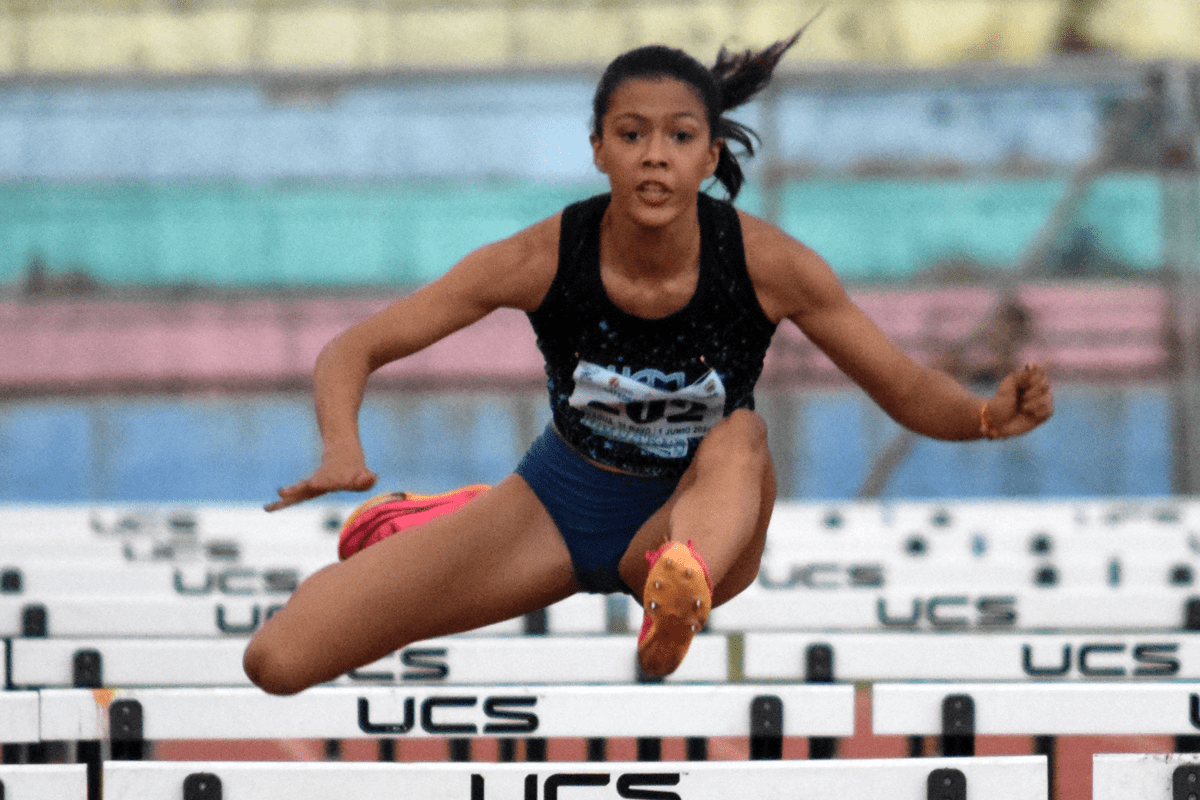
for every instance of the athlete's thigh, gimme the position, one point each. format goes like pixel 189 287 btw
pixel 497 557
pixel 721 474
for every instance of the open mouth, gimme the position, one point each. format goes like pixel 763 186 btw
pixel 653 192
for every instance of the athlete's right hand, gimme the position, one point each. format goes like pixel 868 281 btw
pixel 338 472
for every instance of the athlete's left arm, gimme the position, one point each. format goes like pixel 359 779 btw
pixel 795 283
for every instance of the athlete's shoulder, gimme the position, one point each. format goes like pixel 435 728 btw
pixel 766 243
pixel 785 271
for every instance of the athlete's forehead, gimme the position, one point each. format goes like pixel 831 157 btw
pixel 656 98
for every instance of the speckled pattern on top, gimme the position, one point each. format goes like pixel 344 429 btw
pixel 639 394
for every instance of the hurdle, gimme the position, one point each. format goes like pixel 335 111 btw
pixel 38 663
pixel 956 608
pixel 957 712
pixel 47 575
pixel 656 710
pixel 43 782
pixel 74 523
pixel 973 656
pixel 129 718
pixel 20 723
pixel 1155 776
pixel 983 778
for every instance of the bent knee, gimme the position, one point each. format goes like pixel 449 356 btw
pixel 742 431
pixel 271 670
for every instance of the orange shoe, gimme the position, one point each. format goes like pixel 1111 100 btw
pixel 386 514
pixel 677 599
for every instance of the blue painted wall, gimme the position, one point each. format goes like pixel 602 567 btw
pixel 1103 441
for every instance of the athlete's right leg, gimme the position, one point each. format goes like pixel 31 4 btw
pixel 497 557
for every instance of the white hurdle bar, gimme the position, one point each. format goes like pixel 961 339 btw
pixel 964 608
pixel 1150 776
pixel 847 656
pixel 19 717
pixel 1046 709
pixel 79 615
pixel 43 782
pixel 990 778
pixel 190 662
pixel 134 715
pixel 47 575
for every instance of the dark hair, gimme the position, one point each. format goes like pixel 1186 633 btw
pixel 731 82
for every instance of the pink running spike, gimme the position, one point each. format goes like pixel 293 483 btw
pixel 388 514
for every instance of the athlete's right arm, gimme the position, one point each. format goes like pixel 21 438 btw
pixel 514 273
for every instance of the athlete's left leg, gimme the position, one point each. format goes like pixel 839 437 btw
pixel 723 505
pixel 703 547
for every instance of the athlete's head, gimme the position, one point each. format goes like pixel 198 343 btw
pixel 732 81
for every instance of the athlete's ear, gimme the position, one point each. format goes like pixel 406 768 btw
pixel 597 155
pixel 714 155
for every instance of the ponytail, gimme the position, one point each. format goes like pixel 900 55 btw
pixel 731 82
pixel 739 77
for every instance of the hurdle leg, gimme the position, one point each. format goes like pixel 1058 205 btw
pixel 1046 746
pixel 459 749
pixel 818 668
pixel 958 725
pixel 597 749
pixel 535 749
pixel 766 728
pixel 1189 743
pixel 649 749
pixel 88 752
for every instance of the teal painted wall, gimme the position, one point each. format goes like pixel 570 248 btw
pixel 341 234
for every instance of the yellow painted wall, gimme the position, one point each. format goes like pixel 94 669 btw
pixel 174 37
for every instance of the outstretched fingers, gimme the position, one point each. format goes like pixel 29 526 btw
pixel 318 485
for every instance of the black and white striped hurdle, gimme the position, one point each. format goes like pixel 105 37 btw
pixel 1008 778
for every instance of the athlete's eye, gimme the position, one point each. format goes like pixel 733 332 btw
pixel 629 136
pixel 683 137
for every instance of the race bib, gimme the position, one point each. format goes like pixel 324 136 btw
pixel 653 410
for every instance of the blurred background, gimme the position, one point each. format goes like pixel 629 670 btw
pixel 195 195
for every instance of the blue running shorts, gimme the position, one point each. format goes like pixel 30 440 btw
pixel 597 511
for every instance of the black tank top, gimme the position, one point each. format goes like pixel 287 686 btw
pixel 639 394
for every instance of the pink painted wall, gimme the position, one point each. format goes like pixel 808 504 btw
pixel 68 345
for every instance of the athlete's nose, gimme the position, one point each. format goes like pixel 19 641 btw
pixel 656 151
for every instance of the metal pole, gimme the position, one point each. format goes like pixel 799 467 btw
pixel 1178 88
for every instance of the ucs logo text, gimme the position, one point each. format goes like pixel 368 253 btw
pixel 500 716
pixel 632 786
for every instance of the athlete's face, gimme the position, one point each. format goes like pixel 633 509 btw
pixel 656 148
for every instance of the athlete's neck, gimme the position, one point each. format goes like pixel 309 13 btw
pixel 642 253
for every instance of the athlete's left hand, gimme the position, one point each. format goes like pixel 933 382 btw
pixel 1021 403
